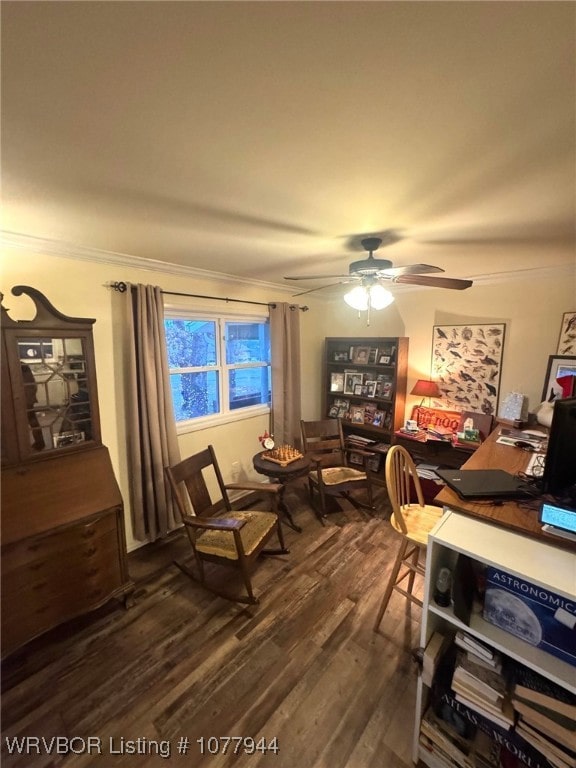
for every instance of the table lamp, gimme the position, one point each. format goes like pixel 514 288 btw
pixel 425 388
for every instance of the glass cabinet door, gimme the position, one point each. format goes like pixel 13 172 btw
pixel 57 400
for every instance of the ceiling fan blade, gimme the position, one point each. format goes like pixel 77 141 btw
pixel 433 282
pixel 320 287
pixel 410 269
pixel 314 277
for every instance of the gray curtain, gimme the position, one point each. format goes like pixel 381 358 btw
pixel 285 347
pixel 151 428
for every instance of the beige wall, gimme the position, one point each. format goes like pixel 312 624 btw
pixel 532 310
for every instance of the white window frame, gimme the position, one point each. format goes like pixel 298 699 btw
pixel 225 415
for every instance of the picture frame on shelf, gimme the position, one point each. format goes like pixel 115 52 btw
pixel 357 414
pixel 361 355
pixel 371 388
pixel 342 405
pixel 567 338
pixel 358 390
pixel 337 382
pixel 369 412
pixel 558 367
pixel 378 420
pixel 351 379
pixel 373 355
pixel 384 360
pixel 340 357
pixel 333 411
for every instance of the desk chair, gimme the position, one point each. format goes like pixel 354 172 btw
pixel 216 533
pixel 323 443
pixel 412 519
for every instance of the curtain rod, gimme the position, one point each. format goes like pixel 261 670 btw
pixel 122 287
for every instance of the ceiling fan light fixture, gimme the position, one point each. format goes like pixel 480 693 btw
pixel 363 297
pixel 380 298
pixel 357 298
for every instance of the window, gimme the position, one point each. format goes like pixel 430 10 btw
pixel 218 366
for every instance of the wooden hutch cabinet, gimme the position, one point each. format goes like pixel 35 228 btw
pixel 63 539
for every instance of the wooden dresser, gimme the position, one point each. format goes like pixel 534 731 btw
pixel 63 541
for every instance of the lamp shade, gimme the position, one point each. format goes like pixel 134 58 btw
pixel 425 388
pixel 362 297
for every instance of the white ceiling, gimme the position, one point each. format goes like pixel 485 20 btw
pixel 263 139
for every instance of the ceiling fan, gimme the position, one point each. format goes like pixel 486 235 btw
pixel 371 271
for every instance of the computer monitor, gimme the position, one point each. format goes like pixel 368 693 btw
pixel 559 477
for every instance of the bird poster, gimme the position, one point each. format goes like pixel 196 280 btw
pixel 467 364
pixel 567 340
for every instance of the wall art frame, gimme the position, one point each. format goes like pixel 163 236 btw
pixel 467 365
pixel 567 338
pixel 558 365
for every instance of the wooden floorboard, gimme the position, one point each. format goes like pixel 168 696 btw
pixel 304 666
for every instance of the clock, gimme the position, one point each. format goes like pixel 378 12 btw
pixel 268 443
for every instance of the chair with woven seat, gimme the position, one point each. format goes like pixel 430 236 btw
pixel 216 532
pixel 323 443
pixel 413 519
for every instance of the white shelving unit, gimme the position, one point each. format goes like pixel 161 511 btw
pixel 547 566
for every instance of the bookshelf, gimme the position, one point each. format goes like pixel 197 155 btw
pixel 365 385
pixel 546 566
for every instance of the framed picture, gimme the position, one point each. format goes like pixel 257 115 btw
pixel 559 366
pixel 359 390
pixel 371 388
pixel 467 365
pixel 372 355
pixel 567 339
pixel 350 381
pixel 361 355
pixel 384 360
pixel 357 414
pixel 337 382
pixel 378 420
pixel 340 357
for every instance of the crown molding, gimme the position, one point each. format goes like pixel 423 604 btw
pixel 82 253
pixel 66 250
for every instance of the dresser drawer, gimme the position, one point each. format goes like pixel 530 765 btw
pixel 57 543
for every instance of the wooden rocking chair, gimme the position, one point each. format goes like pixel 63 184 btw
pixel 216 532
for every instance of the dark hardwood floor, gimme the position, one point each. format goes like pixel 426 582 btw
pixel 304 666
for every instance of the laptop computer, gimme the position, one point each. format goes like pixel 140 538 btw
pixel 485 484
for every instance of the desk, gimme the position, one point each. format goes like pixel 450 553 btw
pixel 283 475
pixel 439 452
pixel 510 514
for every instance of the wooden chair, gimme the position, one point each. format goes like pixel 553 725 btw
pixel 218 534
pixel 323 443
pixel 412 519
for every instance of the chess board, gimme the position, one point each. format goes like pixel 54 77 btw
pixel 283 457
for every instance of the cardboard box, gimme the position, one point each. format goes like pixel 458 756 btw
pixel 532 613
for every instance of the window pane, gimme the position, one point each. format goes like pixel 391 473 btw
pixel 191 343
pixel 195 394
pixel 249 386
pixel 247 343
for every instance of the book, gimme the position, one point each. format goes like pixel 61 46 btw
pixel 544 744
pixel 447 740
pixel 552 752
pixel 547 726
pixel 503 718
pixel 432 655
pixel 567 720
pixel 487 682
pixel 468 642
pixel 528 685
